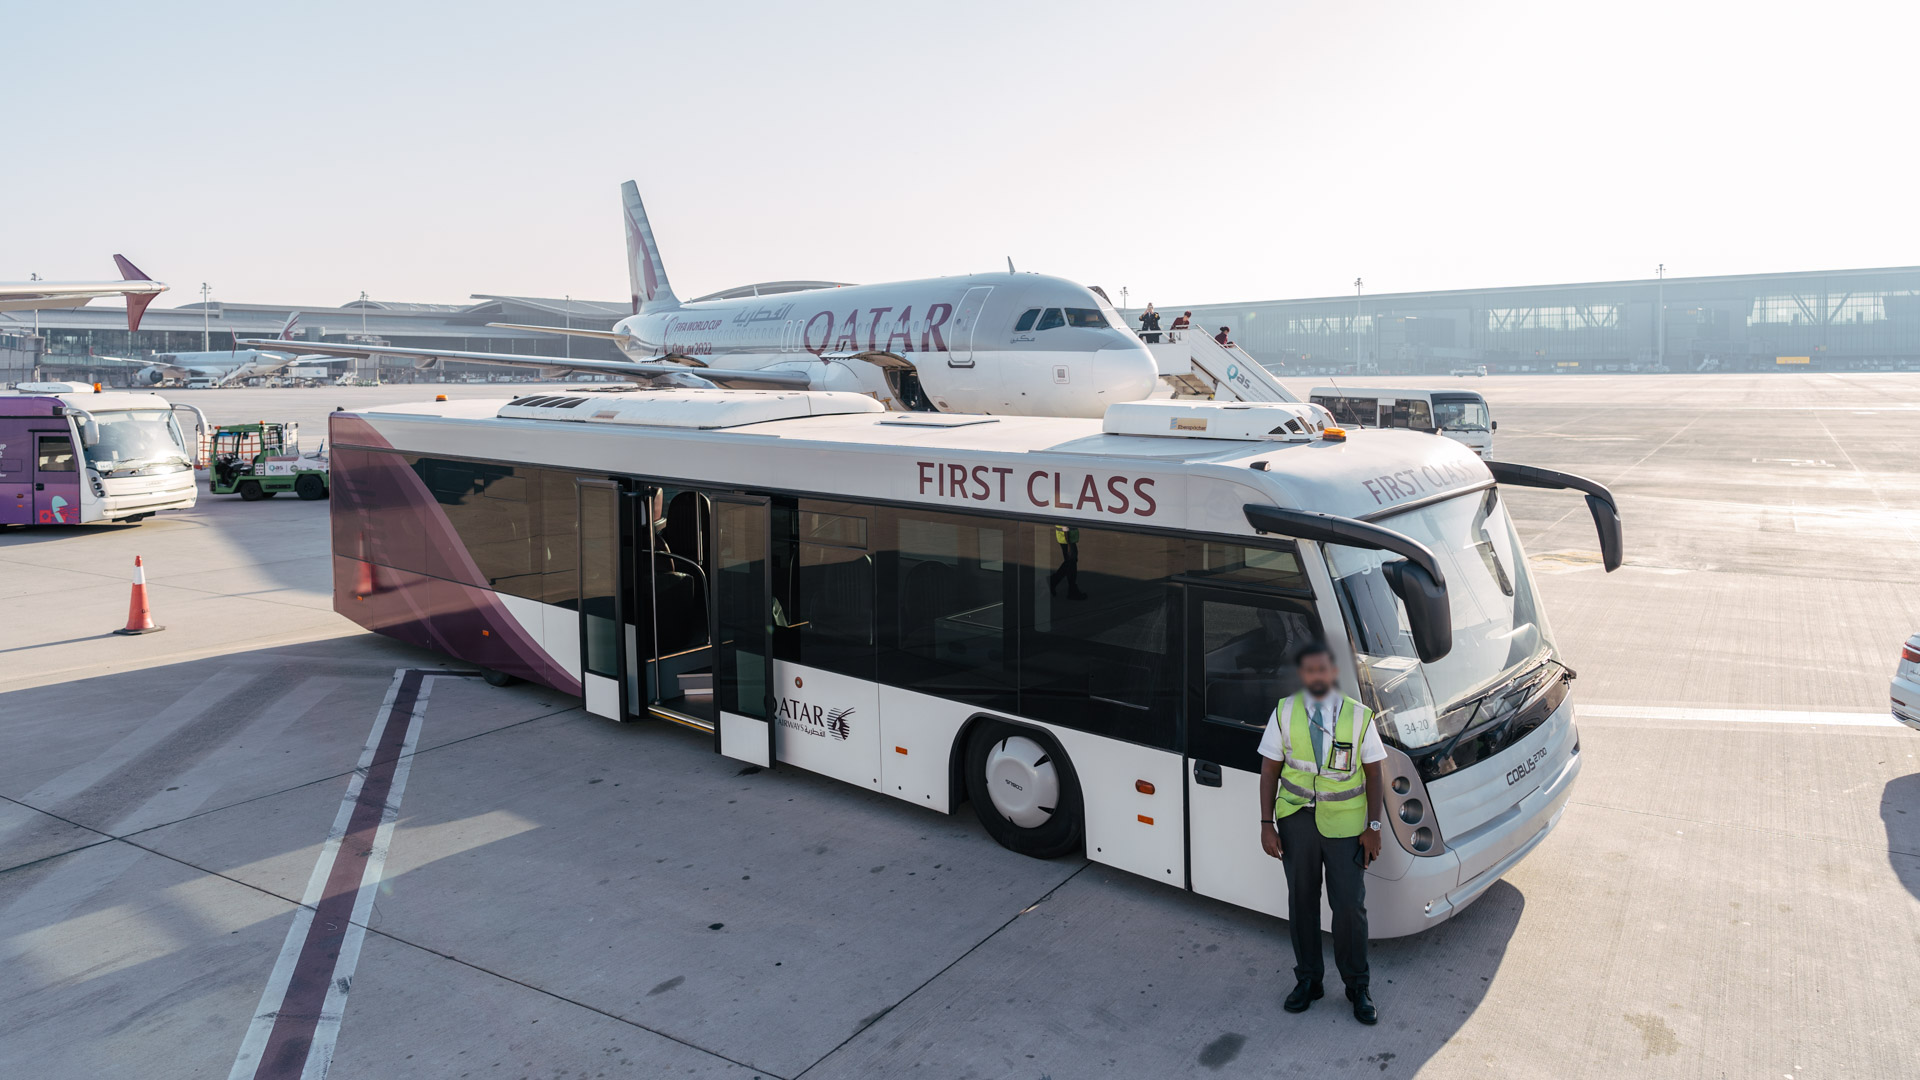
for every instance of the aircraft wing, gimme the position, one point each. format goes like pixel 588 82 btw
pixel 34 295
pixel 554 366
pixel 605 335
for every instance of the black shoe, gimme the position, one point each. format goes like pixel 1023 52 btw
pixel 1363 1009
pixel 1304 993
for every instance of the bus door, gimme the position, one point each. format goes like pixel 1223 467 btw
pixel 16 473
pixel 742 621
pixel 56 480
pixel 1240 647
pixel 603 674
pixel 672 530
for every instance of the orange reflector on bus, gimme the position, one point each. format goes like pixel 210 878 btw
pixel 1144 787
pixel 439 397
pixel 1144 819
pixel 1335 434
pixel 486 633
pixel 899 749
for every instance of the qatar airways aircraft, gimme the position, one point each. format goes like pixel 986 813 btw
pixel 234 365
pixel 1004 343
pixel 35 295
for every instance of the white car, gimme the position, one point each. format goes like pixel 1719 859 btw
pixel 1906 684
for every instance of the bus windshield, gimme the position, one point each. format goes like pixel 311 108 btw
pixel 1460 414
pixel 1499 631
pixel 137 439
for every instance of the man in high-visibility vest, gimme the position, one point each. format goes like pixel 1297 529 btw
pixel 1321 810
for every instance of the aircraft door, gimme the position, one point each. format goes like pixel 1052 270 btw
pixel 56 481
pixel 965 318
pixel 742 623
pixel 1240 664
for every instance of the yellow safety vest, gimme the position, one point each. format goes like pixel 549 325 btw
pixel 1065 535
pixel 1338 795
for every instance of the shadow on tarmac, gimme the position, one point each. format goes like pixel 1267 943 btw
pixel 1900 810
pixel 707 902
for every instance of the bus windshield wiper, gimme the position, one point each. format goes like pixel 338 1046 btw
pixel 1525 679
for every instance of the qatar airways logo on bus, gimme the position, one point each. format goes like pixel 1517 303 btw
pixel 1049 489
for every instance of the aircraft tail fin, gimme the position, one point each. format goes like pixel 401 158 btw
pixel 286 332
pixel 136 302
pixel 651 292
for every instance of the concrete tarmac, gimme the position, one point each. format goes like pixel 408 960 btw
pixel 1734 891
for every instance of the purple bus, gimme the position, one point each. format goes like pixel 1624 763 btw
pixel 71 454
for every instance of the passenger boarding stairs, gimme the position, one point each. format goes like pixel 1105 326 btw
pixel 1196 366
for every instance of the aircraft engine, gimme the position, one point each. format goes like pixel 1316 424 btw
pixel 150 376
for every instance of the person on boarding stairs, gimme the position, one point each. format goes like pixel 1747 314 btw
pixel 1180 322
pixel 1322 795
pixel 1149 326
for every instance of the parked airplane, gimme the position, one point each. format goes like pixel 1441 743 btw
pixel 135 286
pixel 234 365
pixel 1009 343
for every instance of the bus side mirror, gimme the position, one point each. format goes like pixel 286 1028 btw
pixel 1606 521
pixel 89 433
pixel 1429 615
pixel 1493 425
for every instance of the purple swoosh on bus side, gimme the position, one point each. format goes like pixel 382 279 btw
pixel 419 584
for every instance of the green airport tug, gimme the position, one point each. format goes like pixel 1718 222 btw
pixel 259 461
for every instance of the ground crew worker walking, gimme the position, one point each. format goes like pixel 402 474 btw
pixel 1321 808
pixel 1069 540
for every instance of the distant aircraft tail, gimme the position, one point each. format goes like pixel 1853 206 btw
pixel 649 276
pixel 136 302
pixel 286 332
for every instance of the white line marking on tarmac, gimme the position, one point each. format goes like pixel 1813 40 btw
pixel 1736 716
pixel 292 1034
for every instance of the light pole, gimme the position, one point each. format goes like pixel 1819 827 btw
pixel 206 313
pixel 1660 315
pixel 363 336
pixel 36 311
pixel 1357 286
pixel 569 337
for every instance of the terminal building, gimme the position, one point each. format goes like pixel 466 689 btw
pixel 92 344
pixel 1832 320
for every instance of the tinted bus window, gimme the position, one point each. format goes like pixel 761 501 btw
pixel 558 546
pixel 488 507
pixel 946 594
pixel 823 609
pixel 1097 645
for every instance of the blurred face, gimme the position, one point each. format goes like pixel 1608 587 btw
pixel 1317 674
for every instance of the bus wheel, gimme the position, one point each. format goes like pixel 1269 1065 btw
pixel 310 487
pixel 250 491
pixel 497 678
pixel 1023 790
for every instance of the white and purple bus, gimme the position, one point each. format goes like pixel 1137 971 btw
pixel 71 454
pixel 1078 626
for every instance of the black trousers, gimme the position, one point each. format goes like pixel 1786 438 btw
pixel 1308 857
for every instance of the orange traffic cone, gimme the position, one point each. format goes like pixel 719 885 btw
pixel 139 619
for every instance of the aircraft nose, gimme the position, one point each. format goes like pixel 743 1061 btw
pixel 1127 372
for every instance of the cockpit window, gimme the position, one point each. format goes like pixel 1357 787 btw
pixel 1026 320
pixel 1051 319
pixel 1086 317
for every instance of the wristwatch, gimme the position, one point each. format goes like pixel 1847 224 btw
pixel 1374 825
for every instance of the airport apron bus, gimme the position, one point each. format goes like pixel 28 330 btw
pixel 1079 626
pixel 71 453
pixel 1460 415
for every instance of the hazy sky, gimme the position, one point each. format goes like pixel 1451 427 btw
pixel 1191 152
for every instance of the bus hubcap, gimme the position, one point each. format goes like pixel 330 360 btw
pixel 1022 781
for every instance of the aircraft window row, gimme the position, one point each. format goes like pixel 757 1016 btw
pixel 1037 319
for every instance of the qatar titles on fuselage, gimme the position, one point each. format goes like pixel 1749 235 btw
pixel 1004 343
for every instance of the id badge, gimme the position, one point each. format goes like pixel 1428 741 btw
pixel 1341 758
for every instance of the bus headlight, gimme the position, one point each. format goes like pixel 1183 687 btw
pixel 1401 784
pixel 1412 811
pixel 1423 839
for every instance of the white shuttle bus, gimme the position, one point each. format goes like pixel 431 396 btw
pixel 1078 626
pixel 1460 415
